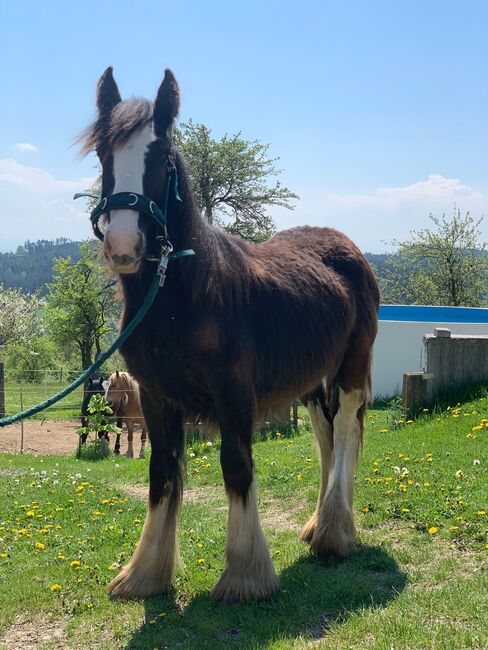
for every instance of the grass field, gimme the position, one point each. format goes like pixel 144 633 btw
pixel 418 579
pixel 31 393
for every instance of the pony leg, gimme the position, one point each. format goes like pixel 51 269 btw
pixel 130 439
pixel 249 572
pixel 117 445
pixel 142 453
pixel 151 569
pixel 323 431
pixel 335 532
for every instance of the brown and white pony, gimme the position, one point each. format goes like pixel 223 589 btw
pixel 122 394
pixel 237 328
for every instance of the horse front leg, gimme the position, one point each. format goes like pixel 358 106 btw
pixel 151 569
pixel 249 572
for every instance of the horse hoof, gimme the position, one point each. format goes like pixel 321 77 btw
pixel 233 588
pixel 129 454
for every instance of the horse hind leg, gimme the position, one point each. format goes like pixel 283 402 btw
pixel 142 453
pixel 130 439
pixel 320 417
pixel 335 532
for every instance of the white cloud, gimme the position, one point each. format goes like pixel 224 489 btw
pixel 24 146
pixel 35 205
pixel 387 213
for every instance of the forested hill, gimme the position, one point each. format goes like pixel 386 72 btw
pixel 30 267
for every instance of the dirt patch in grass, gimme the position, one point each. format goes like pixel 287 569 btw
pixel 37 634
pixel 51 437
pixel 192 495
pixel 279 516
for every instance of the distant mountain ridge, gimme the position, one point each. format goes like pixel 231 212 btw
pixel 30 267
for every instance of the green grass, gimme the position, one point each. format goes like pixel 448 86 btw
pixel 34 393
pixel 404 588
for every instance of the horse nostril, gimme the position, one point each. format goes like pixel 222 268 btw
pixel 123 260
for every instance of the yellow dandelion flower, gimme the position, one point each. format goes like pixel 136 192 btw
pixel 199 545
pixel 409 421
pixel 433 530
pixel 3 555
pixel 459 473
pixel 55 587
pixel 75 564
pixel 426 484
pixel 299 477
pixel 96 513
pixel 30 513
pixel 104 501
pixel 454 528
pixel 481 512
pixel 201 560
pixel 366 509
pixel 40 546
pixel 383 431
pixel 405 509
pixel 60 557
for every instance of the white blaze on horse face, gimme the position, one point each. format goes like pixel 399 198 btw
pixel 123 237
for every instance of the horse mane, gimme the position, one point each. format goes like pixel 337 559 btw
pixel 126 118
pixel 226 268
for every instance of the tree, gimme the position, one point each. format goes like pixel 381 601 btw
pixel 230 178
pixel 17 315
pixel 80 303
pixel 444 265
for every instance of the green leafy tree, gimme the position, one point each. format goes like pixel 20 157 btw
pixel 80 303
pixel 231 180
pixel 26 361
pixel 443 265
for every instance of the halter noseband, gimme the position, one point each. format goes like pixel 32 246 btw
pixel 143 205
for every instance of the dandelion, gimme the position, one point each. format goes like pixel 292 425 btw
pixel 75 564
pixel 137 521
pixel 383 431
pixel 480 513
pixel 405 509
pixel 299 477
pixel 201 560
pixel 55 587
pixel 60 557
pixel 104 501
pixel 40 546
pixel 454 528
pixel 459 473
pixel 366 509
pixel 3 555
pixel 476 461
pixel 426 484
pixel 433 530
pixel 30 513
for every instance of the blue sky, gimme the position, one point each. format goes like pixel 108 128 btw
pixel 377 110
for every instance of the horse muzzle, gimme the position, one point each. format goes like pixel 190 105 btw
pixel 124 251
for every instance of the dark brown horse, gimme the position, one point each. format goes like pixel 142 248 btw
pixel 236 329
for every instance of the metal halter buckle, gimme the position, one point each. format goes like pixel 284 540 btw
pixel 166 250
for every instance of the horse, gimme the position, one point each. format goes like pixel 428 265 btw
pixel 94 387
pixel 235 329
pixel 122 394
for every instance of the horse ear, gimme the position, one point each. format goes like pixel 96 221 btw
pixel 108 94
pixel 117 374
pixel 167 104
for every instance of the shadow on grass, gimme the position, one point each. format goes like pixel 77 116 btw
pixel 314 597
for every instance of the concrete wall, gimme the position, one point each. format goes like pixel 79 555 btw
pixel 453 360
pixel 399 344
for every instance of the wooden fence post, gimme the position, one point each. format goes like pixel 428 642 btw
pixel 2 391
